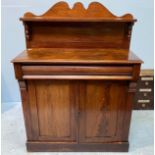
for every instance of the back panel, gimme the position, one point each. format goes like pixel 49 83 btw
pixel 77 34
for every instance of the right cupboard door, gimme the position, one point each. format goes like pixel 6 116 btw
pixel 101 110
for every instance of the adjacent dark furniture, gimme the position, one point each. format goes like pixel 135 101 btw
pixel 77 79
pixel 144 98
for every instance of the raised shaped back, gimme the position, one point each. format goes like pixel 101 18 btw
pixel 63 27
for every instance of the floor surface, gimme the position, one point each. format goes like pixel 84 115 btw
pixel 13 135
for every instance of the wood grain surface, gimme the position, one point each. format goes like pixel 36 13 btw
pixel 77 56
pixel 62 12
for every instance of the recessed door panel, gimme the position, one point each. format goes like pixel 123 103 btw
pixel 56 106
pixel 100 108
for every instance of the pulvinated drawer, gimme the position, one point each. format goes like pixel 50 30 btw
pixel 62 71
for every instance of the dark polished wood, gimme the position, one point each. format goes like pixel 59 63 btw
pixel 72 147
pixel 77 79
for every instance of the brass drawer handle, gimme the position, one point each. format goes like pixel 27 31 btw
pixel 147 78
pixel 143 101
pixel 145 90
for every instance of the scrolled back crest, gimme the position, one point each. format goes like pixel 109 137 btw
pixel 94 10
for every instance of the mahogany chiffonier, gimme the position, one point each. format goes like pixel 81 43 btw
pixel 77 79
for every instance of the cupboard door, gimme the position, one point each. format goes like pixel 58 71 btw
pixel 55 104
pixel 101 109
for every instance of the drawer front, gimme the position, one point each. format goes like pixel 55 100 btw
pixel 144 104
pixel 49 70
pixel 73 72
pixel 144 95
pixel 146 82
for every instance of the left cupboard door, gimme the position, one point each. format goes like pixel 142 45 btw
pixel 52 106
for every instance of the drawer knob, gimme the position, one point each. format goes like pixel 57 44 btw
pixel 146 83
pixel 145 94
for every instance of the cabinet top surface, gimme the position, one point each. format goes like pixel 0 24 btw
pixel 76 56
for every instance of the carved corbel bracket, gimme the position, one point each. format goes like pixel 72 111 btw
pixel 130 25
pixel 23 89
pixel 27 31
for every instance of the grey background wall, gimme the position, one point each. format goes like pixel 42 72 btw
pixel 13 41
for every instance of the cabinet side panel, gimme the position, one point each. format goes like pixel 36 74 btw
pixel 33 109
pixel 26 108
